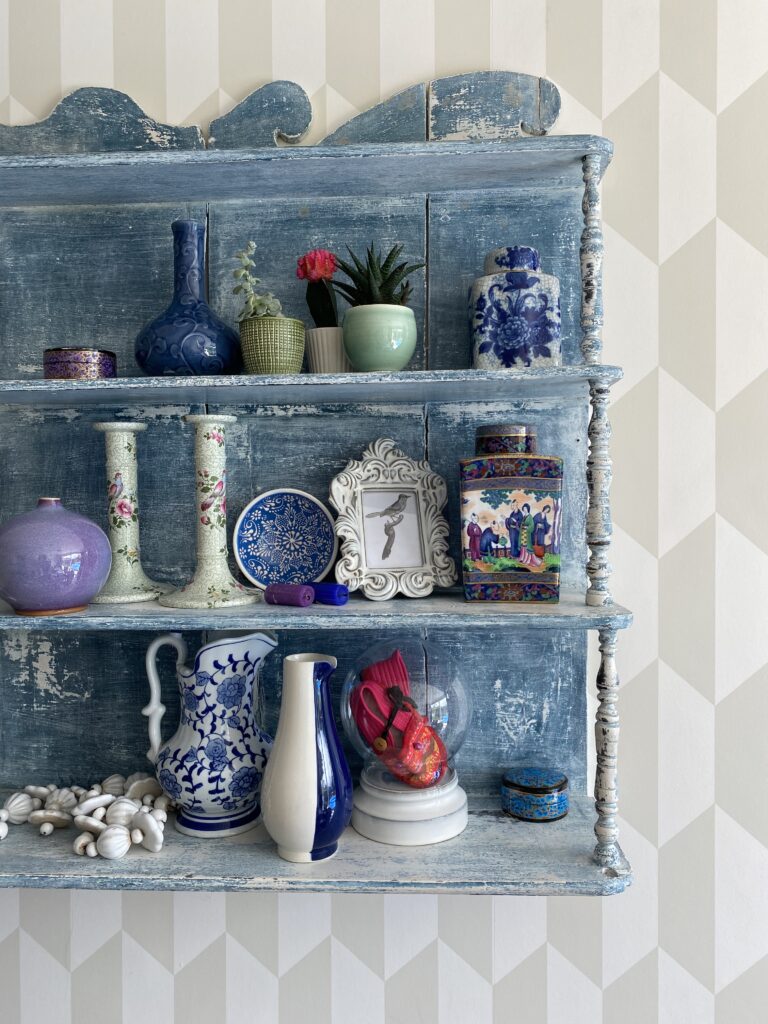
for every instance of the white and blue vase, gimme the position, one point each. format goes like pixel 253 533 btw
pixel 213 765
pixel 306 797
pixel 514 312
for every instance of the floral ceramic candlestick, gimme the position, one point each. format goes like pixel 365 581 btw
pixel 127 581
pixel 213 585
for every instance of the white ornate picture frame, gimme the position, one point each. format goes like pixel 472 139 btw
pixel 393 534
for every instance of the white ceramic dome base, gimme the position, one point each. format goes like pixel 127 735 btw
pixel 389 811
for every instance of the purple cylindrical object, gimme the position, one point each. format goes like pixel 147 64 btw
pixel 330 593
pixel 289 593
pixel 52 561
pixel 79 364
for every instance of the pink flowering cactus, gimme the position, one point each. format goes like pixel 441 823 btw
pixel 317 268
pixel 316 265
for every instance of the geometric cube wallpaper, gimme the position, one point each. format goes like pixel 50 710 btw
pixel 681 86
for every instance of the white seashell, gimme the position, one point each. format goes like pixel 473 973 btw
pixel 37 803
pixel 159 815
pixel 137 836
pixel 19 807
pixel 82 843
pixel 148 800
pixel 79 791
pixel 95 790
pixel 3 829
pixel 64 798
pixel 46 828
pixel 90 803
pixel 114 842
pixel 163 803
pixel 141 787
pixel 41 792
pixel 52 816
pixel 114 784
pixel 100 813
pixel 136 777
pixel 51 786
pixel 121 811
pixel 4 815
pixel 89 824
pixel 91 851
pixel 152 830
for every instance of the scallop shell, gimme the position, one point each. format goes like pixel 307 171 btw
pixel 140 788
pixel 114 842
pixel 121 811
pixel 114 784
pixel 19 807
pixel 63 798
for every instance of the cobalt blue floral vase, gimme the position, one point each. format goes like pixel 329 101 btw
pixel 307 793
pixel 188 338
pixel 514 313
pixel 213 764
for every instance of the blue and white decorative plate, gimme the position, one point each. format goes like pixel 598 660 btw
pixel 285 536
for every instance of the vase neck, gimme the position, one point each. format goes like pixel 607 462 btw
pixel 49 503
pixel 188 261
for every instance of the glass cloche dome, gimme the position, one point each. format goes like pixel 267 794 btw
pixel 406 710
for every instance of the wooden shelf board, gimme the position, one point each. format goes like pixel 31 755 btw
pixel 495 855
pixel 393 169
pixel 440 609
pixel 414 386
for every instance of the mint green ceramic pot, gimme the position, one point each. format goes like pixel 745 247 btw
pixel 379 337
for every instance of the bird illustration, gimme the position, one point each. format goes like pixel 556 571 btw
pixel 389 530
pixel 391 510
pixel 115 489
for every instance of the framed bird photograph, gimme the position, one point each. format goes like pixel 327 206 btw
pixel 393 534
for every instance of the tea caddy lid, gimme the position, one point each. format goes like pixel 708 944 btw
pixel 505 430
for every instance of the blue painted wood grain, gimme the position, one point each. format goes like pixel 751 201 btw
pixel 401 118
pixel 491 105
pixel 96 121
pixel 277 111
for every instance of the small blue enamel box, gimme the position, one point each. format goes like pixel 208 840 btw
pixel 534 794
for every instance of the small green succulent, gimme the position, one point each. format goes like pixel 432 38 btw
pixel 375 281
pixel 255 303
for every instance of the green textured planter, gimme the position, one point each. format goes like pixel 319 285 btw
pixel 379 337
pixel 272 344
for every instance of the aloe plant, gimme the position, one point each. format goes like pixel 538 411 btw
pixel 374 281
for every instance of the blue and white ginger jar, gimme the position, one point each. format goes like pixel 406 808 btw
pixel 514 312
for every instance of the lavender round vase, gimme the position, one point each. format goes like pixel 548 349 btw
pixel 52 561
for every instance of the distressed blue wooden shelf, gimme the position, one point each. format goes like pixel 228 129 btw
pixel 436 611
pixel 397 169
pixel 494 855
pixel 414 386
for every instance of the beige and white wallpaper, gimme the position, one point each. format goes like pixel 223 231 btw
pixel 682 88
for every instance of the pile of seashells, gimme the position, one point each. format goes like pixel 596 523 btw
pixel 111 816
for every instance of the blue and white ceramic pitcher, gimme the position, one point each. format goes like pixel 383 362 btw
pixel 213 764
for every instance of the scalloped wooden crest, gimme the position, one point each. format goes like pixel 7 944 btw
pixel 489 105
pixel 96 121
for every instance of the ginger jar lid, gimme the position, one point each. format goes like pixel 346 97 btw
pixel 535 779
pixel 512 257
pixel 505 439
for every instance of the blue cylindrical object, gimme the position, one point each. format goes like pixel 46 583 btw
pixel 289 593
pixel 534 794
pixel 330 593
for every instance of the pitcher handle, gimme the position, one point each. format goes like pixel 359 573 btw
pixel 155 710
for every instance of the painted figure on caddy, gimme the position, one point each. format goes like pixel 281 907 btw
pixel 513 523
pixel 474 533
